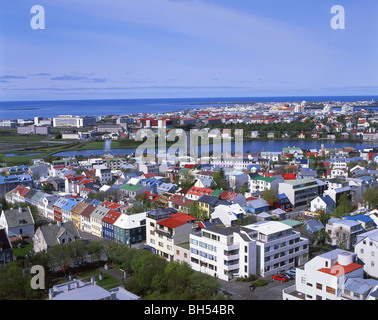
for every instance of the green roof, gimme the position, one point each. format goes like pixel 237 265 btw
pixel 217 192
pixel 291 223
pixel 131 187
pixel 266 179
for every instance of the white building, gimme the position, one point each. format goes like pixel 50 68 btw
pixel 343 232
pixel 265 248
pixel 224 252
pixel 366 249
pixel 279 247
pixel 299 192
pixel 73 121
pixel 334 275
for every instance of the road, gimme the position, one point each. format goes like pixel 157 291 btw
pixel 240 290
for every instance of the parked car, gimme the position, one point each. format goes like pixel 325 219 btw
pixel 291 273
pixel 280 277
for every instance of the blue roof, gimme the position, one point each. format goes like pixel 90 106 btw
pixel 69 205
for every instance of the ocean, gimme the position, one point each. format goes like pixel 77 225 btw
pixel 52 108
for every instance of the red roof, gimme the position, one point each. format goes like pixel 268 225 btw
pixel 339 270
pixel 177 219
pixel 22 190
pixel 199 191
pixel 111 216
pixel 228 195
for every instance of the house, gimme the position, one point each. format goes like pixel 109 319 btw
pixel 130 229
pixel 6 251
pixel 323 203
pixel 67 208
pixel 194 193
pixel 55 234
pixel 86 218
pixel 335 275
pixel 367 223
pixel 17 222
pixel 80 290
pixel 259 183
pixel 256 206
pixel 57 206
pixel 228 214
pixel 343 232
pixel 180 203
pixel 108 224
pixel 366 249
pixel 207 204
pixel 130 191
pixel 232 197
pixel 167 187
pixel 76 213
pixel 312 226
pixel 96 220
pixel 205 182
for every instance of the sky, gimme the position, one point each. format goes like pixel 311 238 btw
pixel 127 49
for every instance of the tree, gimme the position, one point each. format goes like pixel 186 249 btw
pixel 344 207
pixel 270 197
pixel 195 211
pixel 220 179
pixel 370 198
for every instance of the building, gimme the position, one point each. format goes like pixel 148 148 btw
pixel 279 247
pixel 335 275
pixel 79 290
pixel 17 222
pixel 343 232
pixel 6 251
pixel 166 228
pixel 54 234
pixel 103 173
pixel 228 214
pixel 130 229
pixel 300 192
pixel 259 183
pixel 33 129
pixel 366 249
pixel 108 224
pixel 64 121
pixel 224 252
pixel 324 203
pixel 96 220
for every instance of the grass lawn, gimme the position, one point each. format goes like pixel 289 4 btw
pixel 107 281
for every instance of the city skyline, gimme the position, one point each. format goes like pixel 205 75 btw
pixel 186 48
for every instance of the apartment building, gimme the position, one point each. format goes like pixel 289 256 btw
pixel 279 247
pixel 73 121
pixel 300 192
pixel 263 248
pixel 224 252
pixel 260 183
pixel 166 228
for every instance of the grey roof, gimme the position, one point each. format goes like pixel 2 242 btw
pixel 314 225
pixel 53 231
pixel 18 217
pixel 258 203
pixel 361 286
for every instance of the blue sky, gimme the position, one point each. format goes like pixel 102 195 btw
pixel 120 49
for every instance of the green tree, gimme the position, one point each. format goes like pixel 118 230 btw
pixel 220 179
pixel 270 197
pixel 344 207
pixel 370 198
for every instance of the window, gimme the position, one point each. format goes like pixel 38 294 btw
pixel 330 290
pixel 319 286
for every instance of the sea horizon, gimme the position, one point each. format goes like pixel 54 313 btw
pixel 100 107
